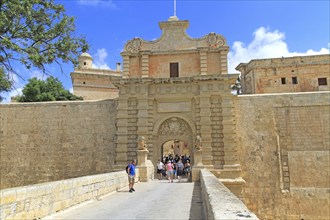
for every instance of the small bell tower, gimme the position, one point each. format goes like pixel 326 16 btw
pixel 85 61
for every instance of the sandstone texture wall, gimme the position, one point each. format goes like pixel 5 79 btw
pixel 284 145
pixel 289 74
pixel 42 142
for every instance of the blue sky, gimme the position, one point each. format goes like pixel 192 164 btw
pixel 253 29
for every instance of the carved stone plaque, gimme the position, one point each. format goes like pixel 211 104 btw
pixel 177 106
pixel 174 126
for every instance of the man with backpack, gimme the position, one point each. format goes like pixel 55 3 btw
pixel 131 175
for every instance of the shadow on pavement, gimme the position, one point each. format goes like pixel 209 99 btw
pixel 196 209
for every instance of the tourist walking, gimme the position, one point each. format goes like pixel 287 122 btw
pixel 174 169
pixel 179 170
pixel 169 171
pixel 160 168
pixel 187 169
pixel 131 175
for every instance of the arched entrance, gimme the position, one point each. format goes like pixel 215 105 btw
pixel 176 131
pixel 175 148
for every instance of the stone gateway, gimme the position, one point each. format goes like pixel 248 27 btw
pixel 270 150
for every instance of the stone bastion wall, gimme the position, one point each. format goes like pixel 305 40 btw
pixel 284 145
pixel 42 142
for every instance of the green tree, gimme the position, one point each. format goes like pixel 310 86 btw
pixel 5 83
pixel 49 90
pixel 35 33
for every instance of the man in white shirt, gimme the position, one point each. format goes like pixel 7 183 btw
pixel 160 168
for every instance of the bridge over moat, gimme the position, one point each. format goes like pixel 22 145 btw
pixel 106 196
pixel 157 199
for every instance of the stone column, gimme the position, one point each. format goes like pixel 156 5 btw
pixel 142 157
pixel 146 169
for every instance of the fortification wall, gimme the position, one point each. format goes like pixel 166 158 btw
pixel 42 142
pixel 284 144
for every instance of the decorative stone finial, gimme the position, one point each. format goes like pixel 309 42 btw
pixel 198 143
pixel 141 143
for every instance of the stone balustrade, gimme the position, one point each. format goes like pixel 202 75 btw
pixel 219 202
pixel 40 200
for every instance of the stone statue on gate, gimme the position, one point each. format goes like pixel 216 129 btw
pixel 198 143
pixel 142 143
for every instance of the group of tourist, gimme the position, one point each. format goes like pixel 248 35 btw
pixel 174 168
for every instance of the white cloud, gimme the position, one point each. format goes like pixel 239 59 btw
pixel 39 75
pixel 99 59
pixel 266 44
pixel 7 96
pixel 105 3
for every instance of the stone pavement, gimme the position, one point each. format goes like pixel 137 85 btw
pixel 156 199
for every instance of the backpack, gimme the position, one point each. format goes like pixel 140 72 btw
pixel 127 168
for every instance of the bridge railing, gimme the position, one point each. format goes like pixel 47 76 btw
pixel 219 202
pixel 40 200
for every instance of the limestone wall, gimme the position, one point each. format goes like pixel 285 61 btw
pixel 219 202
pixel 40 200
pixel 290 74
pixel 42 142
pixel 284 144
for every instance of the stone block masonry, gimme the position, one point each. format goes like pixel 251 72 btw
pixel 284 144
pixel 42 142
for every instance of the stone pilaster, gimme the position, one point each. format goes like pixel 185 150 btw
pixel 224 61
pixel 122 123
pixel 142 124
pixel 229 132
pixel 203 62
pixel 125 65
pixel 205 130
pixel 145 65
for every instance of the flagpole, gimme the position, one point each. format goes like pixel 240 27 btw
pixel 174 8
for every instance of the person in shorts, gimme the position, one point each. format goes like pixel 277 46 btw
pixel 169 171
pixel 160 168
pixel 179 170
pixel 131 175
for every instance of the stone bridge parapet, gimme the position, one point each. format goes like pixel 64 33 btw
pixel 40 200
pixel 219 202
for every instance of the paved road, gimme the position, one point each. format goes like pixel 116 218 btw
pixel 157 199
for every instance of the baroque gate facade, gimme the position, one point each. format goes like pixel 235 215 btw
pixel 177 88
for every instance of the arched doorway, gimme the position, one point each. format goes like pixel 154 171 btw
pixel 175 148
pixel 176 131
